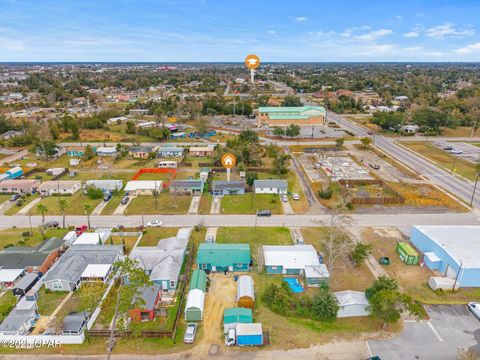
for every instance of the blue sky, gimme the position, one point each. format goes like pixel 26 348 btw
pixel 215 30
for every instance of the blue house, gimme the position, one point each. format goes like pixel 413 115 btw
pixel 221 257
pixel 170 151
pixel 234 187
pixel 14 172
pixel 452 250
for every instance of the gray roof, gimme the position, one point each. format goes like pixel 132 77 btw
pixel 222 184
pixel 187 184
pixel 75 321
pixel 149 295
pixel 72 264
pixel 15 320
pixel 26 281
pixel 19 257
pixel 141 149
pixel 275 183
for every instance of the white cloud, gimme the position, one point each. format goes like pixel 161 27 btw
pixel 349 31
pixel 413 48
pixel 398 17
pixel 411 34
pixel 448 30
pixel 374 35
pixel 13 45
pixel 300 18
pixel 378 49
pixel 272 32
pixel 322 33
pixel 472 48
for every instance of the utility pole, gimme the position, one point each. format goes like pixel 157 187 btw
pixel 474 188
pixel 453 165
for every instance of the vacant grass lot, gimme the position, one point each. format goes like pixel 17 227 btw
pixel 75 203
pixel 298 206
pixel 152 235
pixel 250 203
pixel 442 158
pixel 205 204
pixel 48 300
pixel 14 236
pixel 165 204
pixel 412 279
pixel 85 175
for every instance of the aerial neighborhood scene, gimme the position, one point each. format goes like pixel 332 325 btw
pixel 213 180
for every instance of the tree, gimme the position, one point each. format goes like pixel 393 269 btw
pixel 278 131
pixel 248 136
pixel 339 142
pixel 431 119
pixel 131 129
pixel 131 278
pixel 250 178
pixel 46 148
pixel 291 101
pixel 42 210
pixel 62 206
pixel 382 283
pixel 325 306
pixel 366 141
pixel 279 164
pixel 75 130
pixel 88 153
pixel 360 252
pixel 292 130
pixel 94 192
pixel 54 130
pixel 388 121
pixel 384 305
pixel 87 208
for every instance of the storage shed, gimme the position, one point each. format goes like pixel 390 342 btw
pixel 198 280
pixel 316 275
pixel 222 257
pixel 407 253
pixel 194 305
pixel 245 292
pixel 352 303
pixel 24 284
pixel 234 316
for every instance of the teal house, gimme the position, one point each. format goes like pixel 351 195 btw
pixel 221 257
pixel 234 316
pixel 77 151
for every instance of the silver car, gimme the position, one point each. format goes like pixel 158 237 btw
pixel 474 307
pixel 190 333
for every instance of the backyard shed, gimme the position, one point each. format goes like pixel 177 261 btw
pixel 316 274
pixel 245 292
pixel 234 316
pixel 407 253
pixel 352 303
pixel 150 296
pixel 194 305
pixel 223 257
pixel 441 282
pixel 24 284
pixel 74 323
pixel 198 280
pixel 14 172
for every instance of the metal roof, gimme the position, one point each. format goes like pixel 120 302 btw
pixel 10 275
pixel 273 183
pixel 245 287
pixel 237 315
pixel 149 295
pixel 75 321
pixel 350 297
pixel 16 320
pixel 26 281
pixel 195 299
pixel 291 256
pixel 222 184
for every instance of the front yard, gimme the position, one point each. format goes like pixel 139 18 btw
pixel 250 203
pixel 14 237
pixel 75 204
pixel 164 204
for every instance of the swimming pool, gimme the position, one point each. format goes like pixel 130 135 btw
pixel 294 285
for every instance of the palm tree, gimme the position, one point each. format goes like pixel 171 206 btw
pixel 87 208
pixel 63 205
pixel 42 210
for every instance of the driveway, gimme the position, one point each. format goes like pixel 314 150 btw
pixel 450 328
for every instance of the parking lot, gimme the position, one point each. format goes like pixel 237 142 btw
pixel 450 328
pixel 469 152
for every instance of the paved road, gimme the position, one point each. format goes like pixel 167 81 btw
pixel 250 220
pixel 449 329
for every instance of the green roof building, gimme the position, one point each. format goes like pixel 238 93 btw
pixel 234 316
pixel 285 116
pixel 222 257
pixel 198 280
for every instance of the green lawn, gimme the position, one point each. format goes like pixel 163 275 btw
pixel 98 175
pixel 250 203
pixel 166 204
pixel 298 206
pixel 14 236
pixel 48 300
pixel 4 198
pixel 7 303
pixel 112 204
pixel 256 237
pixel 475 144
pixel 152 235
pixel 27 200
pixel 75 203
pixel 442 158
pixel 119 240
pixel 205 204
pixel 155 176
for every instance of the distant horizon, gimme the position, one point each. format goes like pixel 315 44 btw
pixel 234 62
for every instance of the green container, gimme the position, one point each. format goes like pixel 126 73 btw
pixel 384 260
pixel 407 253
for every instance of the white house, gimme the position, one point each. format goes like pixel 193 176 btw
pixel 143 187
pixel 106 185
pixel 270 186
pixel 62 187
pixel 92 238
pixel 352 303
pixel 106 151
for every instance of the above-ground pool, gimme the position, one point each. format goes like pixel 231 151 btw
pixel 294 285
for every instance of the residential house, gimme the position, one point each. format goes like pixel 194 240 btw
pixel 141 152
pixel 93 238
pixel 10 134
pixel 23 285
pixel 285 116
pixel 223 257
pixel 144 187
pixel 270 186
pixel 75 323
pixel 191 187
pixel 106 185
pixel 19 186
pixel 170 151
pixel 67 272
pixel 352 303
pixel 62 187
pixel 106 151
pixel 117 120
pixel 150 296
pixel 18 322
pixel 233 187
pixel 202 151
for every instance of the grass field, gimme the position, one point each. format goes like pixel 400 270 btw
pixel 442 158
pixel 100 175
pixel 205 204
pixel 7 303
pixel 249 203
pixel 298 206
pixel 152 235
pixel 165 204
pixel 461 131
pixel 48 301
pixel 112 204
pixel 4 198
pixel 14 236
pixel 119 240
pixel 15 209
pixel 75 203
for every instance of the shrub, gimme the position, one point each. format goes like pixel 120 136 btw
pixel 325 193
pixel 94 193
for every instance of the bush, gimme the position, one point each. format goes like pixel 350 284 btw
pixel 26 234
pixel 325 193
pixel 94 193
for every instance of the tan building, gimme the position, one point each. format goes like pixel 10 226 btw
pixel 285 116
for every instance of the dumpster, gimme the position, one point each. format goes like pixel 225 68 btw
pixel 407 253
pixel 384 260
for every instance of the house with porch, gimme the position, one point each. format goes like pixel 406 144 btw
pixel 223 257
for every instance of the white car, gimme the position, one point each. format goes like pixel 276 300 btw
pixel 456 151
pixel 284 198
pixel 474 307
pixel 295 196
pixel 190 333
pixel 155 223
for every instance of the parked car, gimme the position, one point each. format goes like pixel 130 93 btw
pixel 14 197
pixel 124 200
pixel 107 197
pixel 19 202
pixel 79 230
pixel 51 224
pixel 284 198
pixel 295 196
pixel 448 148
pixel 264 213
pixel 456 151
pixel 155 223
pixel 190 333
pixel 375 166
pixel 474 307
